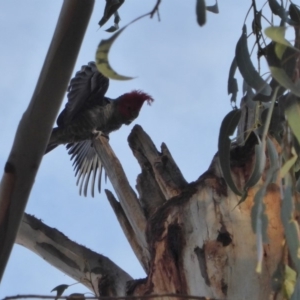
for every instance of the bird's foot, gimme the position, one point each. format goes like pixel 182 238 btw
pixel 96 134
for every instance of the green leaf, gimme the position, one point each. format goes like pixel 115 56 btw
pixel 290 225
pixel 232 86
pixel 277 34
pixel 279 50
pixel 294 14
pixel 279 11
pixel 276 8
pixel 60 289
pixel 274 163
pixel 112 28
pixel 280 75
pixel 259 165
pixel 259 219
pixel 245 65
pixel 201 12
pixel 213 8
pixel 102 52
pixel 227 129
pixel 259 222
pixel 289 281
pixel 288 164
pixel 292 114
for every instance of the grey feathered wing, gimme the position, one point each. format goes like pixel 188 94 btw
pixel 86 87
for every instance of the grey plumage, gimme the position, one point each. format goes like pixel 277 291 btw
pixel 87 113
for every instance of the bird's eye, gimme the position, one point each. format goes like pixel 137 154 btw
pixel 129 107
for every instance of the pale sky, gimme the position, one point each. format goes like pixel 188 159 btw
pixel 185 69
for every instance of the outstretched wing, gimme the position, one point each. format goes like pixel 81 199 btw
pixel 88 85
pixel 86 164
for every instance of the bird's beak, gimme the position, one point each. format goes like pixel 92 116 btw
pixel 128 122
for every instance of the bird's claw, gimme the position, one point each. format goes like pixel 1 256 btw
pixel 96 134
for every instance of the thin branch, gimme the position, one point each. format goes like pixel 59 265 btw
pixel 113 298
pixel 36 124
pixel 155 10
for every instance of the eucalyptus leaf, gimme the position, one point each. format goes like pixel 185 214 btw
pixel 289 281
pixel 274 163
pixel 112 28
pixel 259 222
pixel 290 225
pixel 259 165
pixel 279 50
pixel 294 13
pixel 276 8
pixel 279 11
pixel 227 129
pixel 280 75
pixel 245 65
pixel 201 12
pixel 232 86
pixel 102 52
pixel 292 113
pixel 288 164
pixel 277 34
pixel 213 8
pixel 259 219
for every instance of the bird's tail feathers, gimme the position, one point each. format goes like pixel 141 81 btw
pixel 50 147
pixel 52 141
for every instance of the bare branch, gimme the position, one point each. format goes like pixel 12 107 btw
pixel 36 124
pixel 155 10
pixel 113 298
pixel 128 231
pixel 125 193
pixel 78 262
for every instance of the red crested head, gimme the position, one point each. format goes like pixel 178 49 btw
pixel 131 103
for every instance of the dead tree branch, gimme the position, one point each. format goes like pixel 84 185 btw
pixel 93 270
pixel 127 197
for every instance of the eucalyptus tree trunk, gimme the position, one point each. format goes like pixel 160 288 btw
pixel 191 238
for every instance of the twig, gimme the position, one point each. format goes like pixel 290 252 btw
pixel 155 10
